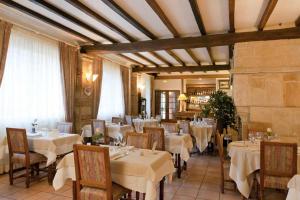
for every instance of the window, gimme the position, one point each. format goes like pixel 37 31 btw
pixel 31 87
pixel 112 97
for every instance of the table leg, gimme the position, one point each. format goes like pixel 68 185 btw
pixel 185 165
pixel 178 166
pixel 74 190
pixel 51 172
pixel 161 189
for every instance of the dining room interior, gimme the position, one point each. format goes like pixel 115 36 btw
pixel 150 99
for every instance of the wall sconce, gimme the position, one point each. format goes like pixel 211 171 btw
pixel 88 89
pixel 141 87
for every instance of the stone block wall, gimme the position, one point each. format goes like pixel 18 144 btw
pixel 266 84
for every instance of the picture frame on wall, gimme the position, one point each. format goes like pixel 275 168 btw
pixel 224 84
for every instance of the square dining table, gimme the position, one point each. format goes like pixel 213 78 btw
pixel 140 170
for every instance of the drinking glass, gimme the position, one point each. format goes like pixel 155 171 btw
pixel 251 137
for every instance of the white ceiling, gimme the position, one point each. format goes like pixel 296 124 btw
pixel 214 13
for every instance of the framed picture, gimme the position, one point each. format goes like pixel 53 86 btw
pixel 224 84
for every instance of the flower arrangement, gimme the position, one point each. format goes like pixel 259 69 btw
pixel 34 125
pixel 96 138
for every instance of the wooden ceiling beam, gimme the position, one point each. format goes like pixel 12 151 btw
pixel 231 6
pixel 117 9
pixel 160 13
pixel 266 15
pixel 195 42
pixel 199 21
pixel 130 60
pixel 44 19
pixel 202 76
pixel 181 69
pixel 72 19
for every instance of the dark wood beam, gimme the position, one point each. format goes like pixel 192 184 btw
pixel 267 13
pixel 199 21
pixel 181 69
pixel 160 13
pixel 202 76
pixel 196 42
pixel 116 8
pixel 297 22
pixel 231 5
pixel 72 19
pixel 44 19
pixel 80 6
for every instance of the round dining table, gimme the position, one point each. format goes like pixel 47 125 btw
pixel 245 160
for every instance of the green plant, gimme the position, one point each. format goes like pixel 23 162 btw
pixel 223 109
pixel 97 138
pixel 206 110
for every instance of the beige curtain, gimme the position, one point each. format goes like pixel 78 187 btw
pixel 125 79
pixel 5 29
pixel 69 58
pixel 97 69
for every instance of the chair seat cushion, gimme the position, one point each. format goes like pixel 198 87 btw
pixel 89 193
pixel 34 158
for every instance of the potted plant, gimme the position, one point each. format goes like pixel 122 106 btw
pixel 206 111
pixel 222 107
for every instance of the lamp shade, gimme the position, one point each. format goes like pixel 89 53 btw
pixel 182 97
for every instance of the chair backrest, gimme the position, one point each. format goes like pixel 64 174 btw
pixel 170 127
pixel 138 140
pixel 185 126
pixel 65 127
pixel 128 119
pixel 117 120
pixel 92 167
pixel 99 126
pixel 156 135
pixel 278 159
pixel 17 141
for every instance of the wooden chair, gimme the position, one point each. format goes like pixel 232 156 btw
pixel 278 164
pixel 65 127
pixel 99 125
pixel 185 126
pixel 224 164
pixel 117 120
pixel 156 135
pixel 19 154
pixel 93 176
pixel 138 140
pixel 170 127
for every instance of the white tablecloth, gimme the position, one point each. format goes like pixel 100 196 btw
pixel 294 188
pixel 140 123
pixel 179 144
pixel 52 146
pixel 202 133
pixel 245 159
pixel 136 172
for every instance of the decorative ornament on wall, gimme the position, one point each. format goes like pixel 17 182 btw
pixel 91 78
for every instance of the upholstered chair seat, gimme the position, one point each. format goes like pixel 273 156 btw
pixel 33 158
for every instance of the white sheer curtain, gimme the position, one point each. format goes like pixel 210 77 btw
pixel 31 87
pixel 112 98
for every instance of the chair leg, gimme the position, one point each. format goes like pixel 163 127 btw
pixel 144 195
pixel 129 196
pixel 27 177
pixel 137 195
pixel 11 173
pixel 37 168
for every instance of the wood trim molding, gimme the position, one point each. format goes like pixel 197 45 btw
pixel 181 69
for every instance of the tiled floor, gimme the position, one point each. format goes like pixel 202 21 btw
pixel 199 182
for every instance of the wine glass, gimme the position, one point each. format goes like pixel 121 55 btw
pixel 251 137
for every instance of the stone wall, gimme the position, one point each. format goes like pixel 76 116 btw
pixel 266 84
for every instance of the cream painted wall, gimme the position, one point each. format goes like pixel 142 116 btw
pixel 266 84
pixel 170 84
